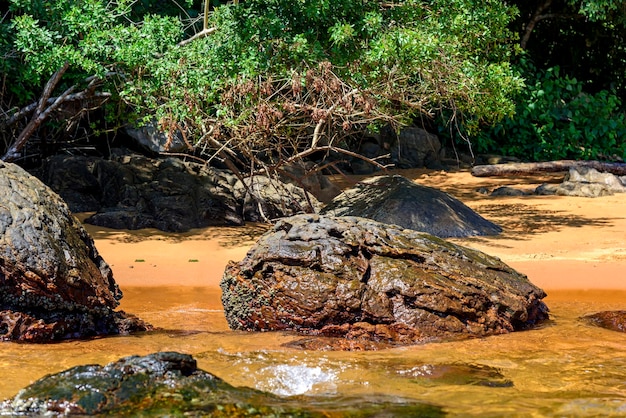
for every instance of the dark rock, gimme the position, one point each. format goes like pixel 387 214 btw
pixel 399 201
pixel 131 191
pixel 170 384
pixel 364 280
pixel 509 191
pixel 585 182
pixel 412 147
pixel 151 139
pixel 415 148
pixel 454 374
pixel 612 320
pixel 308 178
pixel 53 282
pixel 273 199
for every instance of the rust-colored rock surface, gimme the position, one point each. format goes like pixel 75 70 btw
pixel 612 320
pixel 364 280
pixel 53 282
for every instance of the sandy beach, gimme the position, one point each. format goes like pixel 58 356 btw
pixel 559 242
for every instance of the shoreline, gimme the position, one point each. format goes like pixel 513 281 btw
pixel 560 243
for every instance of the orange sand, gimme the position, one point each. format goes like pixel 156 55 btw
pixel 559 242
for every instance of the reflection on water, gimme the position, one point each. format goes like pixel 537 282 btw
pixel 564 369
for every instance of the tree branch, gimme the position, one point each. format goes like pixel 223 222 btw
pixel 536 18
pixel 40 114
pixel 201 34
pixel 329 111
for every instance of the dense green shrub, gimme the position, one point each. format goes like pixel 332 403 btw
pixel 272 68
pixel 556 119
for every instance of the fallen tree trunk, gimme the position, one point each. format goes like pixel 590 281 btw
pixel 515 169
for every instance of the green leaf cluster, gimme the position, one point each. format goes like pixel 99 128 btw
pixel 416 57
pixel 556 119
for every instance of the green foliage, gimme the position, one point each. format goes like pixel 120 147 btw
pixel 601 9
pixel 556 119
pixel 405 58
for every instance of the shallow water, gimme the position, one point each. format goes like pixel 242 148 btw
pixel 566 368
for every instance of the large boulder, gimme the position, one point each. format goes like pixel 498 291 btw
pixel 131 191
pixel 53 282
pixel 400 201
pixel 170 384
pixel 360 279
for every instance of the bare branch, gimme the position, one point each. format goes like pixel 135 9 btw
pixel 201 34
pixel 40 114
pixel 329 111
pixel 25 111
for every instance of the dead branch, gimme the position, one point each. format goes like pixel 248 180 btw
pixel 42 109
pixel 40 114
pixel 27 110
pixel 329 111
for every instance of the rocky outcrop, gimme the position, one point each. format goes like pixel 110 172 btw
pixel 399 201
pixel 579 181
pixel 53 282
pixel 368 281
pixel 170 384
pixel 585 182
pixel 130 191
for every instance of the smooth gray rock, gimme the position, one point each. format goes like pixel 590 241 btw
pixel 585 182
pixel 399 201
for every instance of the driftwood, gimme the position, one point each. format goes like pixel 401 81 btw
pixel 515 169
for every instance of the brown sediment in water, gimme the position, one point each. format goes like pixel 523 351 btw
pixel 574 248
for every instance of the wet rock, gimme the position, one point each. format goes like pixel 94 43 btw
pixel 510 191
pixel 273 199
pixel 53 282
pixel 131 191
pixel 454 374
pixel 612 320
pixel 398 200
pixel 585 182
pixel 364 280
pixel 170 384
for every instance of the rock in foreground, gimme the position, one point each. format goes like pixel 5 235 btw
pixel 53 282
pixel 399 201
pixel 170 384
pixel 360 279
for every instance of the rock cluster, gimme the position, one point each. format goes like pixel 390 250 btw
pixel 364 280
pixel 130 191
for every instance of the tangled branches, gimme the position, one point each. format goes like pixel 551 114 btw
pixel 268 123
